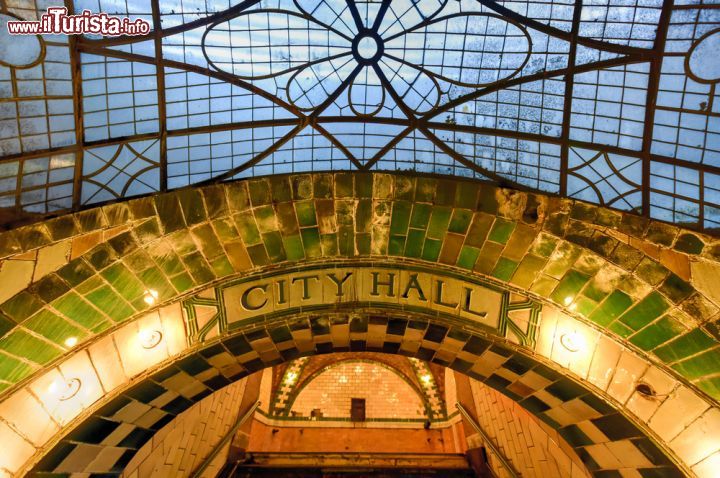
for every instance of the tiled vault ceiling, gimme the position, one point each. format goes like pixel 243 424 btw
pixel 637 292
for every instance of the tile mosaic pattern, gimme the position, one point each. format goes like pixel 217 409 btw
pixel 632 277
pixel 587 423
pixel 428 382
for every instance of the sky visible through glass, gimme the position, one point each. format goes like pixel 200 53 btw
pixel 607 101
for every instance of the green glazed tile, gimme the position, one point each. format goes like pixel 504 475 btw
pixel 221 266
pixel 182 282
pixel 645 311
pixel 711 386
pixel 208 241
pixel 684 346
pixel 501 231
pixel 21 306
pixel 425 189
pixel 396 245
pixel 431 250
pixel 346 240
pixel 544 245
pixel 329 244
pixel 123 281
pixel 675 288
pixel 249 232
pixel 689 243
pixel 274 246
pixel 225 230
pixel 311 242
pixel 460 221
pixel 168 208
pixel 489 255
pixel 611 308
pixel 479 229
pixel 620 329
pixel 343 185
pixel 265 217
pixel 705 364
pixel 306 213
pixel 199 268
pixel 468 256
pixel 280 189
pixel 466 195
pixel 13 370
pixel 445 192
pixel 53 327
pixel 420 215
pixel 362 243
pixel 363 216
pixel 439 221
pixel 286 218
pixel 20 343
pixel 322 186
pixel 650 271
pixel 569 287
pixel 74 307
pixel 154 279
pixel 657 333
pixel 363 185
pixel 259 192
pixel 414 243
pixel 504 269
pixel 258 255
pixel 104 299
pixel 294 248
pixel 400 218
pixel 528 270
pixel 585 306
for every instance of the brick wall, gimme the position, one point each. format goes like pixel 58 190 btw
pixel 183 444
pixel 386 394
pixel 533 449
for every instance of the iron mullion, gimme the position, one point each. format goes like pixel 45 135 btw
pixel 567 105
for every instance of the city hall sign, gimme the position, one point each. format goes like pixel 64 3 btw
pixel 358 286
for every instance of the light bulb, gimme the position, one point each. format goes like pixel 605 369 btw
pixel 71 342
pixel 151 296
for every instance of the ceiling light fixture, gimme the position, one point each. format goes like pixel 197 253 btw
pixel 151 296
pixel 149 338
pixel 426 378
pixel 71 342
pixel 572 341
pixel 67 390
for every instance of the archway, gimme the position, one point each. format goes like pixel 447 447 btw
pixel 208 269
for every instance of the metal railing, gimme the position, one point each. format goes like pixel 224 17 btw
pixel 488 442
pixel 199 470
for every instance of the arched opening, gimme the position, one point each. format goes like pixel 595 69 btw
pixel 204 287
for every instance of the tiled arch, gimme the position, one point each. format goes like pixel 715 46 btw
pixel 646 283
pixel 384 364
pixel 298 373
pixel 108 438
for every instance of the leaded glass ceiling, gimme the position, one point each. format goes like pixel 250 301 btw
pixel 606 101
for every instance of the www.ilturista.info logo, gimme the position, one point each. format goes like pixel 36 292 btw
pixel 57 22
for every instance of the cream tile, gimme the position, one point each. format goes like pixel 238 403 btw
pixel 18 407
pixel 644 407
pixel 14 277
pixel 606 356
pixel 628 454
pixel 629 369
pixel 79 366
pixel 16 451
pixel 708 468
pixel 106 360
pixel 51 258
pixel 603 456
pixel 676 412
pixel 700 439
